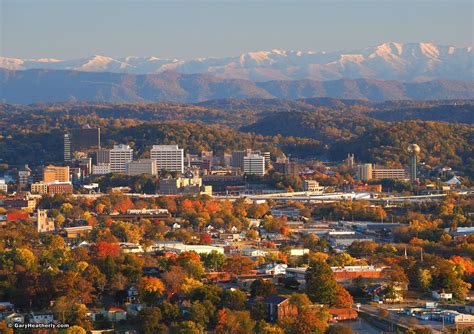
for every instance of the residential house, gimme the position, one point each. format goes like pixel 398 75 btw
pixel 442 295
pixel 279 307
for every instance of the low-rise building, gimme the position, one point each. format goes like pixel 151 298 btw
pixel 200 249
pixel 139 167
pixel 40 188
pixel 101 169
pixel 60 188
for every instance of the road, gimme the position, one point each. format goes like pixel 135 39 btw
pixel 401 320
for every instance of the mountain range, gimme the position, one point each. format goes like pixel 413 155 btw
pixel 410 62
pixel 33 86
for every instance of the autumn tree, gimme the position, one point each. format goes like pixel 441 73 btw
pixel 321 285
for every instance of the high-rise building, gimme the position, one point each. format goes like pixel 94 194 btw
pixel 237 159
pixel 168 157
pixel 266 155
pixel 102 156
pixel 364 172
pixel 85 139
pixel 287 168
pixel 81 140
pixel 120 155
pixel 254 164
pixel 350 161
pixel 67 147
pixel 55 173
pixel 139 167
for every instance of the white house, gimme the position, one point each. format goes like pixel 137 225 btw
pixel 299 251
pixel 274 269
pixel 442 295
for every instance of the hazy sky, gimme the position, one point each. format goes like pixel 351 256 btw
pixel 187 29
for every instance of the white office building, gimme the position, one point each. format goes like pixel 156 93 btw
pixel 139 167
pixel 101 169
pixel 254 164
pixel 120 155
pixel 168 157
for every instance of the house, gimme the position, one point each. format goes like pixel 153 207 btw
pixel 132 293
pixel 442 295
pixel 299 274
pixel 299 251
pixel 41 318
pixel 14 318
pixel 279 307
pixel 273 269
pixel 116 314
pixel 381 293
pixel 230 236
pixel 342 314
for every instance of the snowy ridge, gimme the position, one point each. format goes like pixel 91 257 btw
pixel 387 61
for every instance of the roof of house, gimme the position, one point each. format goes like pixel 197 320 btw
pixel 275 299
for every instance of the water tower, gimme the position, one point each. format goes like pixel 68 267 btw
pixel 414 150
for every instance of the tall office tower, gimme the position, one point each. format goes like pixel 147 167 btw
pixel 168 157
pixel 237 160
pixel 67 147
pixel 102 156
pixel 119 156
pixel 364 172
pixel 139 167
pixel 55 174
pixel 85 139
pixel 254 164
pixel 414 150
pixel 350 161
pixel 266 155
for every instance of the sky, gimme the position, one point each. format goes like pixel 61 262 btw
pixel 186 29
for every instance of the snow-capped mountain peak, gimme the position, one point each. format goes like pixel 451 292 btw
pixel 386 61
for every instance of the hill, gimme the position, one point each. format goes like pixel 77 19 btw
pixel 34 86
